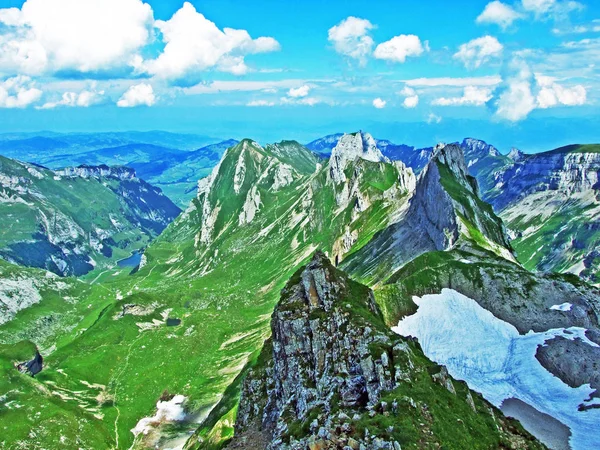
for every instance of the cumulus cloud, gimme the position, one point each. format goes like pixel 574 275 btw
pixel 18 92
pixel 516 101
pixel 479 51
pixel 84 99
pixel 351 38
pixel 411 99
pixel 498 13
pixel 472 95
pixel 399 48
pixel 137 95
pixel 553 94
pixel 61 35
pixel 193 43
pixel 301 91
pixel 379 103
pixel 522 92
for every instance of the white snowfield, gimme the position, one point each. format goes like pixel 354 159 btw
pixel 562 307
pixel 495 360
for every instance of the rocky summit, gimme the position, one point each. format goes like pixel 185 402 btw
pixel 333 376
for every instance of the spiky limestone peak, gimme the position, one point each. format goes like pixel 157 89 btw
pixel 515 154
pixel 444 211
pixel 349 148
pixel 334 376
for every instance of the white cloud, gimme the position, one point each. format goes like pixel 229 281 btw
pixel 472 95
pixel 81 35
pixel 479 51
pixel 301 91
pixel 538 6
pixel 556 9
pixel 306 101
pixel 593 27
pixel 84 99
pixel 516 100
pixel 193 43
pixel 499 13
pixel 433 118
pixel 411 98
pixel 379 103
pixel 522 92
pixel 18 92
pixel 399 48
pixel 136 95
pixel 491 80
pixel 215 87
pixel 260 103
pixel 350 38
pixel 553 94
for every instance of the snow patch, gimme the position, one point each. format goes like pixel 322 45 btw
pixel 562 307
pixel 494 359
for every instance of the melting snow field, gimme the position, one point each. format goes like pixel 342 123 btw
pixel 495 360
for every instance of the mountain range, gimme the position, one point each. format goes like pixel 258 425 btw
pixel 298 302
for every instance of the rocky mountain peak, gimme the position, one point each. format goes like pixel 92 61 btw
pixel 333 376
pixel 452 156
pixel 349 148
pixel 479 148
pixel 516 154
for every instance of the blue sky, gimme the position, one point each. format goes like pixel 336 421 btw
pixel 522 72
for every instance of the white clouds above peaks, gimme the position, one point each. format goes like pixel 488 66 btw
pixel 498 13
pixel 351 38
pixel 62 37
pixel 18 92
pixel 553 94
pixel 479 51
pixel 472 95
pixel 85 98
pixel 137 95
pixel 399 48
pixel 193 44
pixel 379 103
pixel 411 99
pixel 522 92
pixel 79 35
pixel 301 91
pixel 555 8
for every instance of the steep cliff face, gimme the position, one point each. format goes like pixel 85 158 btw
pixel 567 170
pixel 445 211
pixel 333 376
pixel 73 220
pixel 551 203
